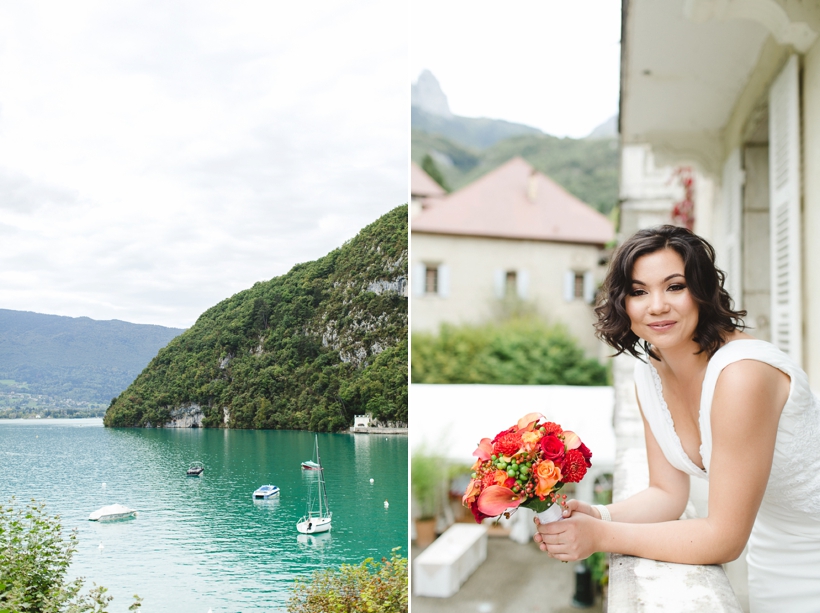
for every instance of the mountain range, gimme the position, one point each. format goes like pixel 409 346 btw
pixel 465 148
pixel 70 366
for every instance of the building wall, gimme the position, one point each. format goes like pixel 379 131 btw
pixel 811 212
pixel 474 262
pixel 647 191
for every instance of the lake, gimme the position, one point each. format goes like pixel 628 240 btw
pixel 201 543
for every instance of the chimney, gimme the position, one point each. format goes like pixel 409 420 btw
pixel 532 187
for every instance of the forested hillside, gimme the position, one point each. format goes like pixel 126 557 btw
pixel 309 349
pixel 69 366
pixel 587 168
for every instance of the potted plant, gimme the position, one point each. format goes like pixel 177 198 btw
pixel 427 475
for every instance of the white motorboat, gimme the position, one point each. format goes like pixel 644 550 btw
pixel 318 514
pixel 310 465
pixel 112 512
pixel 195 470
pixel 266 491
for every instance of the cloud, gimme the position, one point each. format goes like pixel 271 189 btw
pixel 158 157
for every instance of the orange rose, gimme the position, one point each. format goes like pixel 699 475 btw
pixel 547 474
pixel 531 439
pixel 500 477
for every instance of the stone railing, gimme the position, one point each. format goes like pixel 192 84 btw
pixel 644 586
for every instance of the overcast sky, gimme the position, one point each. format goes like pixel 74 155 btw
pixel 157 157
pixel 551 64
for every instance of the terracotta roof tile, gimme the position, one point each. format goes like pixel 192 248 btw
pixel 515 201
pixel 422 184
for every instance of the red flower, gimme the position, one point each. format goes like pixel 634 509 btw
pixel 553 448
pixel 574 467
pixel 552 428
pixel 508 442
pixel 488 479
pixel 479 516
pixel 509 482
pixel 586 453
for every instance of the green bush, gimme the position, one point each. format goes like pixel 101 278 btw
pixel 522 351
pixel 369 587
pixel 34 559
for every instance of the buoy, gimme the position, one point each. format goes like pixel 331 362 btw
pixel 101 547
pixel 103 485
pixel 386 504
pixel 371 481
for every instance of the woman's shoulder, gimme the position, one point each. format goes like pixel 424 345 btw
pixel 745 347
pixel 747 363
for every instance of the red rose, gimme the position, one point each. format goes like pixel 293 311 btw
pixel 586 453
pixel 509 482
pixel 508 443
pixel 574 467
pixel 553 448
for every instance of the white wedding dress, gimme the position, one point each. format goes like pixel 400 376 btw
pixel 784 547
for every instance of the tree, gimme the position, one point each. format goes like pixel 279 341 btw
pixel 370 587
pixel 34 559
pixel 428 165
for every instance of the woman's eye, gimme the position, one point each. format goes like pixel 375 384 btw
pixel 676 287
pixel 637 292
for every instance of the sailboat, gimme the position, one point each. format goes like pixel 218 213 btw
pixel 316 520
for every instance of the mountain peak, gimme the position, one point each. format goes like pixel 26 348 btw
pixel 426 93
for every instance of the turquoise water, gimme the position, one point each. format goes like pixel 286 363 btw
pixel 204 543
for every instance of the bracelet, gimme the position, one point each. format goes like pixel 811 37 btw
pixel 605 516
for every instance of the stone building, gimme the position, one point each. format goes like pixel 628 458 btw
pixel 512 237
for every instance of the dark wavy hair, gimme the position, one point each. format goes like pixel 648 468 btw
pixel 716 317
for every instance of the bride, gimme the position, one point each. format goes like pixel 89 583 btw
pixel 717 404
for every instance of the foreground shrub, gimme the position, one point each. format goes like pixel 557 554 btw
pixel 370 587
pixel 523 351
pixel 34 559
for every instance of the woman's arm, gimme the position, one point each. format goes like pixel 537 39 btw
pixel 746 408
pixel 665 498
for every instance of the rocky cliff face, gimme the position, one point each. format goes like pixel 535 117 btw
pixel 426 94
pixel 306 350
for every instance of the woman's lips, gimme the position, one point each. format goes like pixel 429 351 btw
pixel 660 326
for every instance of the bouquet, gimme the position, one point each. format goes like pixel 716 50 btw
pixel 526 465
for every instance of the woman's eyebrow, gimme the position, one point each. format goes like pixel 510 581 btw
pixel 672 276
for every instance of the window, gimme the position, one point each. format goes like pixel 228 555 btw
pixel 578 286
pixel 431 280
pixel 511 284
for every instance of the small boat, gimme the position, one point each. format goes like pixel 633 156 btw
pixel 195 469
pixel 318 514
pixel 266 491
pixel 112 512
pixel 310 465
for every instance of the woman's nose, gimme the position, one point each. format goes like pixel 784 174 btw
pixel 658 303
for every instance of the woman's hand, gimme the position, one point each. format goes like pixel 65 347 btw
pixel 573 538
pixel 576 506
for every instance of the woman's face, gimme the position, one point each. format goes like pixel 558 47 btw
pixel 659 304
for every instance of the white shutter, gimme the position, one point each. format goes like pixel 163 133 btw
pixel 443 280
pixel 522 284
pixel 569 286
pixel 730 259
pixel 785 214
pixel 589 288
pixel 417 279
pixel 499 281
